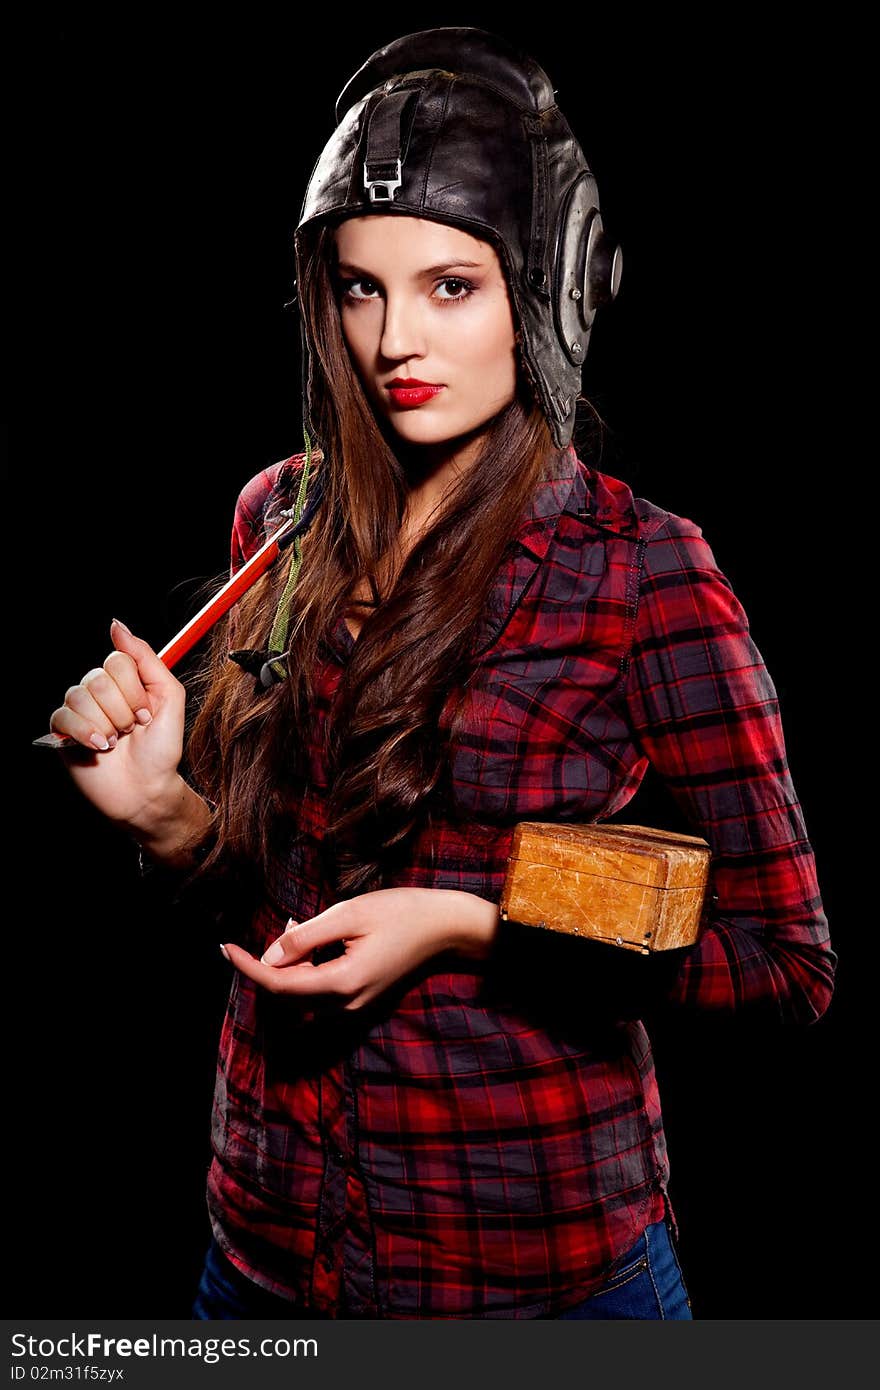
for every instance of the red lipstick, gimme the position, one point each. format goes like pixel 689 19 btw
pixel 409 391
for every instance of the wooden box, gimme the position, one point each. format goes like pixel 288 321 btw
pixel 630 885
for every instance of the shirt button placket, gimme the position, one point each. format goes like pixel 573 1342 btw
pixel 359 1273
pixel 327 1269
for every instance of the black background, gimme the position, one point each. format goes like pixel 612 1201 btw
pixel 162 171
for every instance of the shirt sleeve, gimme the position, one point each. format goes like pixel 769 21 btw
pixel 248 534
pixel 705 713
pixel 250 528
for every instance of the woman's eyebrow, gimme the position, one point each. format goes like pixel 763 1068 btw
pixel 350 268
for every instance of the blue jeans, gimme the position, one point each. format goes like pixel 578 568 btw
pixel 224 1292
pixel 648 1284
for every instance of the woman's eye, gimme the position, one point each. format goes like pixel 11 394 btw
pixel 460 285
pixel 348 285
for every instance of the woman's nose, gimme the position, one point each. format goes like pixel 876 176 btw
pixel 402 330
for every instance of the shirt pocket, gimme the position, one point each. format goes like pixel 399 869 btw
pixel 539 737
pixel 538 730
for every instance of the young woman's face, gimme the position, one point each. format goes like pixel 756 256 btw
pixel 422 300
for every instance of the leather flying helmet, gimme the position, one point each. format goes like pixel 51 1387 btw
pixel 459 126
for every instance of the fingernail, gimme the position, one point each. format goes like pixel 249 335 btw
pixel 121 624
pixel 225 952
pixel 274 955
pixel 143 716
pixel 99 741
pixel 112 741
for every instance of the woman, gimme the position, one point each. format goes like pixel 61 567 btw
pixel 421 1111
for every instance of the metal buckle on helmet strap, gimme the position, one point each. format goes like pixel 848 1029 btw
pixel 389 184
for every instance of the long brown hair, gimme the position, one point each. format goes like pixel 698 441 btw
pixel 384 748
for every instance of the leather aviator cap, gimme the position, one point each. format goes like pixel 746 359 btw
pixel 457 125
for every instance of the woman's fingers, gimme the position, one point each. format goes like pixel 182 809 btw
pixel 92 733
pixel 82 718
pixel 152 671
pixel 96 711
pixel 107 696
pixel 122 668
pixel 300 939
pixel 111 700
pixel 303 979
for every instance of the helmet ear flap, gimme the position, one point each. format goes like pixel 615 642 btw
pixel 587 268
pixel 524 368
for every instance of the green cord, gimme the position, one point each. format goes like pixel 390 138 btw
pixel 278 635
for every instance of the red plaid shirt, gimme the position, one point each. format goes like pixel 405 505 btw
pixel 490 1141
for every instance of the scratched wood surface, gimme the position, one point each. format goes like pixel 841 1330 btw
pixel 631 885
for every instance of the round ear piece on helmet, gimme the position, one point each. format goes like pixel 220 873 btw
pixel 587 268
pixel 604 265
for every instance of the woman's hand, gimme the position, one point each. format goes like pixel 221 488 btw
pixel 135 706
pixel 386 934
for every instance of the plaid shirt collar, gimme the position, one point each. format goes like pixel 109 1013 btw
pixel 579 491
